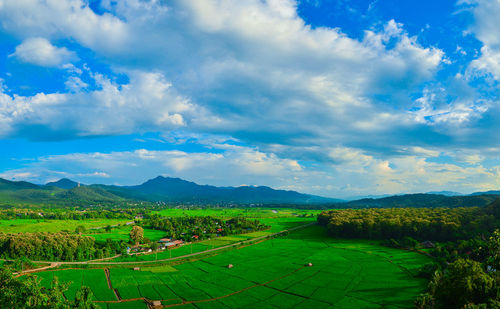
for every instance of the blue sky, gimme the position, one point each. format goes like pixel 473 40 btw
pixel 336 98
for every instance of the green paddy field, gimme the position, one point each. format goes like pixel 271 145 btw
pixel 269 274
pixel 42 225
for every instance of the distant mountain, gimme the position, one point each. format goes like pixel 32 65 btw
pixel 18 192
pixel 447 193
pixel 165 189
pixel 63 183
pixel 421 200
pixel 491 192
pixel 176 189
pixel 360 197
pixel 16 185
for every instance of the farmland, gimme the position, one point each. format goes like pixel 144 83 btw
pixel 269 274
pixel 42 225
pixel 233 212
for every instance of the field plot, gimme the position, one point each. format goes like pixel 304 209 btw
pixel 123 232
pixel 93 278
pixel 41 225
pixel 238 212
pixel 277 224
pixel 271 274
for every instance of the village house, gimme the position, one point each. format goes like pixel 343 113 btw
pixel 166 243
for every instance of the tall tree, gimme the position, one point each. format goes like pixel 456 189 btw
pixel 137 234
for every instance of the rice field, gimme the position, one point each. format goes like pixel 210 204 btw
pixel 41 225
pixel 123 232
pixel 270 274
pixel 276 225
pixel 234 212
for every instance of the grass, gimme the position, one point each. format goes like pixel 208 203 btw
pixel 277 224
pixel 94 278
pixel 122 233
pixel 270 274
pixel 41 225
pixel 279 221
pixel 235 212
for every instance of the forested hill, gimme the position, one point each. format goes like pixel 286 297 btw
pixel 179 190
pixel 422 200
pixel 64 183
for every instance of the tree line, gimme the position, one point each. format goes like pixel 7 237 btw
pixel 8 214
pixel 439 224
pixel 59 246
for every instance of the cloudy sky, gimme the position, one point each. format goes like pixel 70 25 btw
pixel 339 98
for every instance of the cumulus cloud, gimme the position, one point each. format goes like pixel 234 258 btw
pixel 62 19
pixel 256 72
pixel 246 165
pixel 354 173
pixel 256 65
pixel 485 29
pixel 147 102
pixel 40 51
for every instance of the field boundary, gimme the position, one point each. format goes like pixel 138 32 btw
pixel 102 261
pixel 184 302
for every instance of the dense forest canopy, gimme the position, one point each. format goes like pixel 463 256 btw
pixel 60 246
pixel 441 224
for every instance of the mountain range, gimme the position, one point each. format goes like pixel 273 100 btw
pixel 159 189
pixel 176 190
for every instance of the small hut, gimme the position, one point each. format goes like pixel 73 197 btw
pixel 309 264
pixel 427 244
pixel 137 268
pixel 230 266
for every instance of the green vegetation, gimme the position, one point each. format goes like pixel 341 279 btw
pixel 67 213
pixel 42 225
pixel 344 274
pixel 199 228
pixel 122 233
pixel 236 212
pixel 439 224
pixel 28 293
pixel 471 282
pixel 55 247
pixel 451 259
pixel 137 234
pixel 423 200
pixel 467 261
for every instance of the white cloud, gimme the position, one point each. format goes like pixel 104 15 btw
pixel 434 108
pixel 253 71
pixel 147 102
pixel 256 66
pixel 357 173
pixel 40 51
pixel 62 19
pixel 132 167
pixel 486 29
